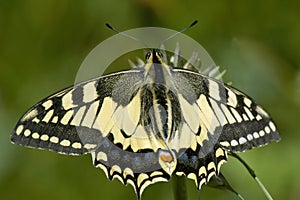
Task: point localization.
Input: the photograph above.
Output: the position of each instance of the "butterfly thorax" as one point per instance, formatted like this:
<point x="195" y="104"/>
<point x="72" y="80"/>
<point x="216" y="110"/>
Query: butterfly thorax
<point x="160" y="108"/>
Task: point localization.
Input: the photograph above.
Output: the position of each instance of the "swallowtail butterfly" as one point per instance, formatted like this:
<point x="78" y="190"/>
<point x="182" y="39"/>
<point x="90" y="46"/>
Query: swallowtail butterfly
<point x="148" y="123"/>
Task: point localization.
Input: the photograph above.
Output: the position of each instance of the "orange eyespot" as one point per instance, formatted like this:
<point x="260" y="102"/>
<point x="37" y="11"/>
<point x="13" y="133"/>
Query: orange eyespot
<point x="165" y="156"/>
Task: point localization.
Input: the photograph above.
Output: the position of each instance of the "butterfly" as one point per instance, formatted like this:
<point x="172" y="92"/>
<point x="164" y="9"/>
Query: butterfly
<point x="149" y="123"/>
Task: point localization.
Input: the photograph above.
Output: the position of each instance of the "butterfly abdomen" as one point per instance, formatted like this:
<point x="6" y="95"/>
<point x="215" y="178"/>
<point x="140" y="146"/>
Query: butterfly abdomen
<point x="160" y="110"/>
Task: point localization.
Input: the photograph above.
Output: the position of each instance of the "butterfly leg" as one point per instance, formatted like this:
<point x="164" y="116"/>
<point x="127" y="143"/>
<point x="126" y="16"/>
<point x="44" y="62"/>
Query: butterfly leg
<point x="220" y="182"/>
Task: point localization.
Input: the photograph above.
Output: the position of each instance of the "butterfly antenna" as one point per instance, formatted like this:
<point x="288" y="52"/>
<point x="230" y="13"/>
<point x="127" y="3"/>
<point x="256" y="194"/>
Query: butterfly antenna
<point x="124" y="34"/>
<point x="252" y="173"/>
<point x="181" y="31"/>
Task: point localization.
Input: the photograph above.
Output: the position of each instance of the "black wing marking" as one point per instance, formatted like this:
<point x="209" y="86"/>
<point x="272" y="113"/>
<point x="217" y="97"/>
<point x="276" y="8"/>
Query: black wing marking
<point x="89" y="117"/>
<point x="139" y="169"/>
<point x="239" y="122"/>
<point x="52" y="123"/>
<point x="225" y="119"/>
<point x="198" y="168"/>
<point x="75" y="120"/>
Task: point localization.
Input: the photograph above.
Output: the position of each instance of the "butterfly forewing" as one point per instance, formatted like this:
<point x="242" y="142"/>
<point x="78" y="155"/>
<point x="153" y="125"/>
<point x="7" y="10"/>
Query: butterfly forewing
<point x="54" y="123"/>
<point x="235" y="120"/>
<point x="47" y="126"/>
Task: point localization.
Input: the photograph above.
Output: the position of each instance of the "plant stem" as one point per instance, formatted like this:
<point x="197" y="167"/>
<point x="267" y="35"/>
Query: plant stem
<point x="179" y="188"/>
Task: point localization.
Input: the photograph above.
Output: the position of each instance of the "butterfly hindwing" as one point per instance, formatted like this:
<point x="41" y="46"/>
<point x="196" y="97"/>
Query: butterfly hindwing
<point x="138" y="169"/>
<point x="200" y="169"/>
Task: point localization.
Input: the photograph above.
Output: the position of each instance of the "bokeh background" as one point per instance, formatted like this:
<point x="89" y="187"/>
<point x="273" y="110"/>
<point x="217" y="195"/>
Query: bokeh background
<point x="42" y="44"/>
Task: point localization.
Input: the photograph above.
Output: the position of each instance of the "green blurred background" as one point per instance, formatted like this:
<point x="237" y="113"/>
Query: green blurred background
<point x="42" y="44"/>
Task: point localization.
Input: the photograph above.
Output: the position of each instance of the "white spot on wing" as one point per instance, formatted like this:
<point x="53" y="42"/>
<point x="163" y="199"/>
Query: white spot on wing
<point x="236" y="115"/>
<point x="210" y="166"/>
<point x="48" y="116"/>
<point x="27" y="132"/>
<point x="35" y="135"/>
<point x="30" y="115"/>
<point x="101" y="156"/>
<point x="78" y="116"/>
<point x="245" y="117"/>
<point x="54" y="139"/>
<point x="76" y="145"/>
<point x="90" y="115"/>
<point x="272" y="126"/>
<point x="258" y="117"/>
<point x="203" y="171"/>
<point x="249" y="137"/>
<point x="141" y="178"/>
<point x="65" y="143"/>
<point x="214" y="90"/>
<point x="242" y="140"/>
<point x="36" y="120"/>
<point x="89" y="92"/>
<point x="180" y="173"/>
<point x="225" y="144"/>
<point x="118" y="177"/>
<point x="219" y="152"/>
<point x="250" y="115"/>
<point x="203" y="180"/>
<point x="220" y="164"/>
<point x="19" y="129"/>
<point x="232" y="100"/>
<point x="247" y="102"/>
<point x="128" y="172"/>
<point x="44" y="137"/>
<point x="66" y="118"/>
<point x="261" y="133"/>
<point x="47" y="104"/>
<point x="193" y="177"/>
<point x="228" y="115"/>
<point x="255" y="135"/>
<point x="67" y="101"/>
<point x="234" y="143"/>
<point x="115" y="168"/>
<point x="55" y="119"/>
<point x="103" y="168"/>
<point x="267" y="130"/>
<point x="260" y="111"/>
<point x="90" y="146"/>
<point x="156" y="173"/>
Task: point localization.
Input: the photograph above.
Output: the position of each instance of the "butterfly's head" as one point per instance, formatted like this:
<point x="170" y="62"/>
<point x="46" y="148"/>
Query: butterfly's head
<point x="154" y="56"/>
<point x="156" y="70"/>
